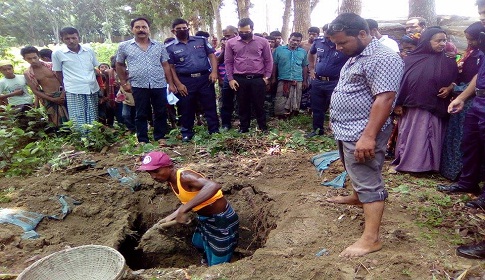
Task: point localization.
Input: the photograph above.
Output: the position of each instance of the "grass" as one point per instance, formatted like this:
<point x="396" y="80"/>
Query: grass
<point x="5" y="195"/>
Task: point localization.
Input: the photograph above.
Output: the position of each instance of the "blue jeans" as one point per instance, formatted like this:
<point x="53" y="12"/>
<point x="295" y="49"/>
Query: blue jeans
<point x="129" y="113"/>
<point x="146" y="99"/>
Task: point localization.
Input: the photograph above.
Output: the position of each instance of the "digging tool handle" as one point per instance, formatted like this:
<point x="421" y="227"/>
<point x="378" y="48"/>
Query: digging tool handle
<point x="167" y="224"/>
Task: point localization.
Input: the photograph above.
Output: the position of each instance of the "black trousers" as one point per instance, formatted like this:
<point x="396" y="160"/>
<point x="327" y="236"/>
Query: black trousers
<point x="251" y="93"/>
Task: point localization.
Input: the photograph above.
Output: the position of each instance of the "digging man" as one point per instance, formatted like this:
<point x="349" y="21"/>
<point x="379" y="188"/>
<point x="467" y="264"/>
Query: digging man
<point x="217" y="230"/>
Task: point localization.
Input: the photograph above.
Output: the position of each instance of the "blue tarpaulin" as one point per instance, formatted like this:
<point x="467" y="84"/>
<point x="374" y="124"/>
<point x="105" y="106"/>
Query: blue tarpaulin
<point x="28" y="221"/>
<point x="338" y="182"/>
<point x="323" y="161"/>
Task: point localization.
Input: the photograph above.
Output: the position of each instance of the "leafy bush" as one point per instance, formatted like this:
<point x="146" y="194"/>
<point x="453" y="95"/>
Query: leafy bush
<point x="91" y="137"/>
<point x="104" y="51"/>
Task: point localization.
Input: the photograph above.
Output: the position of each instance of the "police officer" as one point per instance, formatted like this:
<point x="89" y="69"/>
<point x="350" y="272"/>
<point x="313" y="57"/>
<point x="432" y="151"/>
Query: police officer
<point x="194" y="78"/>
<point x="325" y="63"/>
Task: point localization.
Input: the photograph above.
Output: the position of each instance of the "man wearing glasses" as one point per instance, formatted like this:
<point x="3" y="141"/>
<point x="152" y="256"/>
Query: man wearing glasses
<point x="248" y="68"/>
<point x="360" y="107"/>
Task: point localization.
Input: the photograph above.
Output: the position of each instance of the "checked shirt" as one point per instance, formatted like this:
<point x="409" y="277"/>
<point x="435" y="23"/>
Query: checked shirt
<point x="376" y="70"/>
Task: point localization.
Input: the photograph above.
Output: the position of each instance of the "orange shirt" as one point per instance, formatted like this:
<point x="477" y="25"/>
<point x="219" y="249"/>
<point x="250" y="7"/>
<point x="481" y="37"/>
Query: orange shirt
<point x="186" y="196"/>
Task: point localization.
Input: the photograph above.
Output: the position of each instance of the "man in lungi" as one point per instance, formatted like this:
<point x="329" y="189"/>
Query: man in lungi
<point x="43" y="82"/>
<point x="217" y="230"/>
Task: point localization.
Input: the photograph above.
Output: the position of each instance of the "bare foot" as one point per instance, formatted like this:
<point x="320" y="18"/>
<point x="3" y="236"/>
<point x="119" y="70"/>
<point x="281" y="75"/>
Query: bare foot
<point x="361" y="247"/>
<point x="350" y="199"/>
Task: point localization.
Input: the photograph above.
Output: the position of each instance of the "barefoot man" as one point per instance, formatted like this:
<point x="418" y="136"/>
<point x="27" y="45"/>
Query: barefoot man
<point x="360" y="107"/>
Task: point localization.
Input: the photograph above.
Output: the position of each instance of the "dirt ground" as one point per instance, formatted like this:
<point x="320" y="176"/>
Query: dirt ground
<point x="285" y="222"/>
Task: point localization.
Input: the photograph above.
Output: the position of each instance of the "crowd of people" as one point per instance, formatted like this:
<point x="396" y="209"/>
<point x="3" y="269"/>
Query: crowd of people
<point x="411" y="101"/>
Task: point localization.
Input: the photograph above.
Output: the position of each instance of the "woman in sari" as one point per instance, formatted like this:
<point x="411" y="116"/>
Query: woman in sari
<point x="468" y="67"/>
<point x="423" y="100"/>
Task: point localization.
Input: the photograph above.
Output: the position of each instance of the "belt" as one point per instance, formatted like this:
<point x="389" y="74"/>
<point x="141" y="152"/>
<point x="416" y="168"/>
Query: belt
<point x="324" y="78"/>
<point x="480" y="92"/>
<point x="249" y="76"/>
<point x="194" y="75"/>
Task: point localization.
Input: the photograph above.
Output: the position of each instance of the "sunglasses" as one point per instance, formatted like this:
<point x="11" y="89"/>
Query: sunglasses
<point x="338" y="27"/>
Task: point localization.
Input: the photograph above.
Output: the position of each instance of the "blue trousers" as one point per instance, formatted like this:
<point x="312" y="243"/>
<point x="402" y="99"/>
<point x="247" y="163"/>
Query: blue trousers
<point x="156" y="100"/>
<point x="320" y="94"/>
<point x="473" y="145"/>
<point x="200" y="90"/>
<point x="129" y="113"/>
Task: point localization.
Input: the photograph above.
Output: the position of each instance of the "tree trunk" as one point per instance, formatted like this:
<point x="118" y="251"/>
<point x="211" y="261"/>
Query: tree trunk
<point x="302" y="12"/>
<point x="243" y="8"/>
<point x="351" y="6"/>
<point x="285" y="29"/>
<point x="425" y="9"/>
<point x="216" y="5"/>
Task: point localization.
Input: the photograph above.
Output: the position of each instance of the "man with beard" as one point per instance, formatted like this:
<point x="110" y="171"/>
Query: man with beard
<point x="472" y="146"/>
<point x="194" y="69"/>
<point x="147" y="79"/>
<point x="74" y="66"/>
<point x="291" y="72"/>
<point x="44" y="84"/>
<point x="324" y="63"/>
<point x="249" y="65"/>
<point x="360" y="107"/>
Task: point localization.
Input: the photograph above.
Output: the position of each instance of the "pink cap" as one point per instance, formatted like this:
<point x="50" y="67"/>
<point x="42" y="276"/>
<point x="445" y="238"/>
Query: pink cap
<point x="155" y="160"/>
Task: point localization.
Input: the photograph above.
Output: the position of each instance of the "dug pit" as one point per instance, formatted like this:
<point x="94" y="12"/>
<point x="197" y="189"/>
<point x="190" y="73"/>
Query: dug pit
<point x="173" y="247"/>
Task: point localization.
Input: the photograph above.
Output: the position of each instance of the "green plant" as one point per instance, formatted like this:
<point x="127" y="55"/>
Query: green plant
<point x="403" y="189"/>
<point x="5" y="195"/>
<point x="406" y="272"/>
<point x="104" y="51"/>
<point x="91" y="137"/>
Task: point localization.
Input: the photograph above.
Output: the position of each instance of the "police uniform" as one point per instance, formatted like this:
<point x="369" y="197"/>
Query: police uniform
<point x="192" y="66"/>
<point x="327" y="71"/>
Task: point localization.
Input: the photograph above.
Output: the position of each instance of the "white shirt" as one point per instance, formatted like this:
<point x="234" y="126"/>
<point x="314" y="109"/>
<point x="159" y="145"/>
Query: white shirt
<point x="390" y="43"/>
<point x="77" y="69"/>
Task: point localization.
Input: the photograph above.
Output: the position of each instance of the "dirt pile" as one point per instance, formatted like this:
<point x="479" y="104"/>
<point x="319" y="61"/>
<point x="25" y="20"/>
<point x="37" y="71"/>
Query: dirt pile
<point x="285" y="222"/>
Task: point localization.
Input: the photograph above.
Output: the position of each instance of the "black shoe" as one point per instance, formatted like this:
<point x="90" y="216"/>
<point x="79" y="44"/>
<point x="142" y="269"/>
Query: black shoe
<point x="475" y="251"/>
<point x="455" y="188"/>
<point x="313" y="134"/>
<point x="186" y="139"/>
<point x="478" y="203"/>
